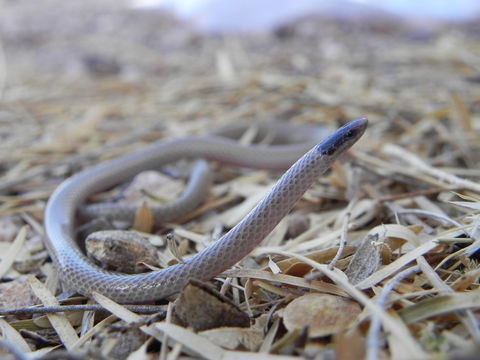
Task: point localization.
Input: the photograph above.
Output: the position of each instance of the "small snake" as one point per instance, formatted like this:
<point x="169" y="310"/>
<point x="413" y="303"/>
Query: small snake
<point x="78" y="273"/>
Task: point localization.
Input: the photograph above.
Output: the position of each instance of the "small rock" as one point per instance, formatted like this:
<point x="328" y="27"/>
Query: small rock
<point x="125" y="251"/>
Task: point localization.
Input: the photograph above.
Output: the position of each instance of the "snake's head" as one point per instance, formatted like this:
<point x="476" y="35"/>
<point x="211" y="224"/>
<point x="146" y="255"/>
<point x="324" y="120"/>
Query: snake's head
<point x="342" y="139"/>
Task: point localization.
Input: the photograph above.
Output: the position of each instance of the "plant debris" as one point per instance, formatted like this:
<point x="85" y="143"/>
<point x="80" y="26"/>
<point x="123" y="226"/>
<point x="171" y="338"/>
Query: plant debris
<point x="378" y="259"/>
<point x="125" y="251"/>
<point x="202" y="308"/>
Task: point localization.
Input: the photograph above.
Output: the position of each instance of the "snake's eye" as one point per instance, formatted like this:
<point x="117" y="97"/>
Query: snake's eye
<point x="329" y="150"/>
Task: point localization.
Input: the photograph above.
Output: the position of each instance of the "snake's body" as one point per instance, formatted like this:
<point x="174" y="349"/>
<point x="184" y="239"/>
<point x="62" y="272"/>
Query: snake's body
<point x="78" y="273"/>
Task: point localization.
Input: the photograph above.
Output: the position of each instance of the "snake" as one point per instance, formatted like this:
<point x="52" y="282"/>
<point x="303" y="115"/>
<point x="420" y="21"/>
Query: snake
<point x="78" y="273"/>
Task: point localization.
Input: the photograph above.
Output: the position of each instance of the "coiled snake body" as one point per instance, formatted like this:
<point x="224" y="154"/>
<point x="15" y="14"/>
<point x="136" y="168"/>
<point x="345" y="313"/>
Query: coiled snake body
<point x="78" y="273"/>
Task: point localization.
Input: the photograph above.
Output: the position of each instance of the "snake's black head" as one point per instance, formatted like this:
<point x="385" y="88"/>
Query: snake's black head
<point x="343" y="138"/>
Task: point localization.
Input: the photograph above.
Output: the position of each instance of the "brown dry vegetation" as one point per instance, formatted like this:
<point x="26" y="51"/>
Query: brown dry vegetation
<point x="405" y="203"/>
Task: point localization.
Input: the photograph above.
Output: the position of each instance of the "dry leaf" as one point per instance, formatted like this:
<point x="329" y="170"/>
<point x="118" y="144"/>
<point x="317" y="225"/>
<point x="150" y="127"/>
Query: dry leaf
<point x="16" y="294"/>
<point x="442" y="304"/>
<point x="235" y="338"/>
<point x="349" y="345"/>
<point x="202" y="308"/>
<point x="59" y="322"/>
<point x="295" y="267"/>
<point x="13" y="336"/>
<point x="10" y="226"/>
<point x="366" y="259"/>
<point x="144" y="219"/>
<point x="157" y="185"/>
<point x="321" y="314"/>
<point x="117" y="342"/>
<point x="13" y="250"/>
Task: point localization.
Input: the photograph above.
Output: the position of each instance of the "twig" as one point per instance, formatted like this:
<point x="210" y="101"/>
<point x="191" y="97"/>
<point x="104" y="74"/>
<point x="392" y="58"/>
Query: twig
<point x="344" y="235"/>
<point x="373" y="336"/>
<point x="421" y="166"/>
<point x="142" y="309"/>
<point x="413" y="194"/>
<point x="62" y="355"/>
<point x="466" y="316"/>
<point x="430" y="214"/>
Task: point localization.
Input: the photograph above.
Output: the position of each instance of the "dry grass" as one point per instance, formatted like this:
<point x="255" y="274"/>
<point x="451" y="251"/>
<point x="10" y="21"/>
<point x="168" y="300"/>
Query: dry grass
<point x="404" y="205"/>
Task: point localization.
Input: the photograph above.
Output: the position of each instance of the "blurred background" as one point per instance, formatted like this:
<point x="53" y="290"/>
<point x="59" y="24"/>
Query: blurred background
<point x="111" y="68"/>
<point x="251" y="15"/>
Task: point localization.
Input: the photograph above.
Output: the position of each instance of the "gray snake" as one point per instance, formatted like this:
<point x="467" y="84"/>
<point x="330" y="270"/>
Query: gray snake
<point x="78" y="273"/>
